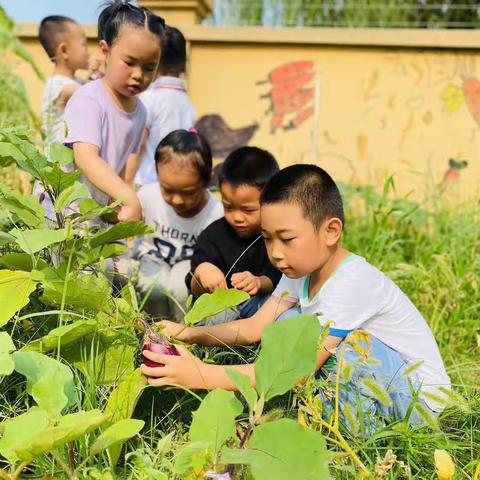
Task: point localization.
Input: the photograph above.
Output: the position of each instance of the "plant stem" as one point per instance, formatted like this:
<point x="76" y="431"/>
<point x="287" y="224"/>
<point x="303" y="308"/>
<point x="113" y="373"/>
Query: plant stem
<point x="18" y="471"/>
<point x="65" y="467"/>
<point x="4" y="474"/>
<point x="71" y="455"/>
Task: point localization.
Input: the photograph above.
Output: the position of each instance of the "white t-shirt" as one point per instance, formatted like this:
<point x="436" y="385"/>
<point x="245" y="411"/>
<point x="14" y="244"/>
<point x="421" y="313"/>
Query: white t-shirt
<point x="174" y="236"/>
<point x="54" y="127"/>
<point x="52" y="114"/>
<point x="168" y="109"/>
<point x="359" y="296"/>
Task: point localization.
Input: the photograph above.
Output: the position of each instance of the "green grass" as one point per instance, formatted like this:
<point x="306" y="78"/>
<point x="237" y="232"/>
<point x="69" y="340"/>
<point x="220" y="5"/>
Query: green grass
<point x="432" y="252"/>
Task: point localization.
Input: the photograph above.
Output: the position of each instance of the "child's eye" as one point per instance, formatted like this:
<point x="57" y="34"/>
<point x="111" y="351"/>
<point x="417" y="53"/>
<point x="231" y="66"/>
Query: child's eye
<point x="287" y="240"/>
<point x="130" y="64"/>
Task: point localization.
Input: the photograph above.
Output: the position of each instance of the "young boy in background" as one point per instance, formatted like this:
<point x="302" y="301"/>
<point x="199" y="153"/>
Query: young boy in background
<point x="65" y="43"/>
<point x="302" y="225"/>
<point x="230" y="252"/>
<point x="167" y="103"/>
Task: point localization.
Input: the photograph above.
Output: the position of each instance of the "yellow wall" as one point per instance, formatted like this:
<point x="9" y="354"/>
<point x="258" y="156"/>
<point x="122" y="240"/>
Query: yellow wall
<point x="387" y="101"/>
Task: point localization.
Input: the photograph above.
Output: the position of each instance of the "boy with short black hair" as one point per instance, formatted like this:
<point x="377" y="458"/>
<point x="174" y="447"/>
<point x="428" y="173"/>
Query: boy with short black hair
<point x="65" y="43"/>
<point x="230" y="252"/>
<point x="167" y="103"/>
<point x="302" y="224"/>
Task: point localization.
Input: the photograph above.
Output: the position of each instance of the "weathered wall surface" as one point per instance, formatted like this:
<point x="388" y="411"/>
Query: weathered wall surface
<point x="362" y="104"/>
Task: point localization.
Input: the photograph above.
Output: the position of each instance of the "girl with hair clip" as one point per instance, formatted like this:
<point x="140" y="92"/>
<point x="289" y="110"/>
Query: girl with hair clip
<point x="179" y="207"/>
<point x="104" y="118"/>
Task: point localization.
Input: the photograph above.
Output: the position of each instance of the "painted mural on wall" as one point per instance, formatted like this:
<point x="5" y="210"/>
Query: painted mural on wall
<point x="412" y="114"/>
<point x="290" y="97"/>
<point x="222" y="138"/>
<point x="290" y="105"/>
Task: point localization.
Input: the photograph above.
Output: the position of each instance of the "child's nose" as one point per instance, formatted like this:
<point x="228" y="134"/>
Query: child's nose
<point x="238" y="217"/>
<point x="137" y="73"/>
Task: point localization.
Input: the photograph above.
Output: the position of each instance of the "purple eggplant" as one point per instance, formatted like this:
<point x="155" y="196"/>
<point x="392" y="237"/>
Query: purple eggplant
<point x="155" y="342"/>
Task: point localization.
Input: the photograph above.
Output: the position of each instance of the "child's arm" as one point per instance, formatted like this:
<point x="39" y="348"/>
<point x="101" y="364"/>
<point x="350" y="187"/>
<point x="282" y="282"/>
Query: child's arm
<point x="207" y="278"/>
<point x="133" y="162"/>
<point x="251" y="284"/>
<point x="246" y="331"/>
<point x="189" y="371"/>
<point x="65" y="94"/>
<point x="103" y="177"/>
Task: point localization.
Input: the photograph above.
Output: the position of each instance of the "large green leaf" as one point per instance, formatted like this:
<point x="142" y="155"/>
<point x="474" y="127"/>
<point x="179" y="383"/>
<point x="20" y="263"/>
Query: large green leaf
<point x="49" y="381"/>
<point x="60" y="154"/>
<point x="283" y="450"/>
<point x="6" y="347"/>
<point x="69" y="427"/>
<point x="214" y="421"/>
<point x="32" y="241"/>
<point x="288" y="353"/>
<point x="75" y="192"/>
<point x="195" y="455"/>
<point x="57" y="179"/>
<point x="5" y="238"/>
<point x="83" y="292"/>
<point x="19" y="432"/>
<point x="210" y="304"/>
<point x="65" y="336"/>
<point x="9" y="153"/>
<point x="242" y="382"/>
<point x="120" y="231"/>
<point x="22" y="261"/>
<point x="15" y="290"/>
<point x="33" y="433"/>
<point x="26" y="207"/>
<point x="31" y="161"/>
<point x="93" y="255"/>
<point x="107" y="356"/>
<point x="117" y="433"/>
<point x="122" y="401"/>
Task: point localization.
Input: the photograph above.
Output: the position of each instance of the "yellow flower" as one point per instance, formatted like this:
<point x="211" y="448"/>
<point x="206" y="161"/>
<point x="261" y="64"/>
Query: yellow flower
<point x="444" y="465"/>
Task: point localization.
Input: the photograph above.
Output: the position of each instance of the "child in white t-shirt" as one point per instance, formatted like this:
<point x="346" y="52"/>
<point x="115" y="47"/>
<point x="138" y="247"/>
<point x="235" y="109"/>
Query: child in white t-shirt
<point x="166" y="101"/>
<point x="302" y="224"/>
<point x="65" y="43"/>
<point x="179" y="207"/>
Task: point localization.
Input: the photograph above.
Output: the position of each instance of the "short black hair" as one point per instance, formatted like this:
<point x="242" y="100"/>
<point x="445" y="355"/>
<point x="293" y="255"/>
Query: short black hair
<point x="308" y="186"/>
<point x="50" y="28"/>
<point x="119" y="12"/>
<point x="174" y="51"/>
<point x="248" y="166"/>
<point x="190" y="145"/>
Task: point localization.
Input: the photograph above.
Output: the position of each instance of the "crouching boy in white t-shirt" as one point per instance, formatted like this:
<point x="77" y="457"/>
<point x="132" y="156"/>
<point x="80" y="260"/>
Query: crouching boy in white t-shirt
<point x="302" y="223"/>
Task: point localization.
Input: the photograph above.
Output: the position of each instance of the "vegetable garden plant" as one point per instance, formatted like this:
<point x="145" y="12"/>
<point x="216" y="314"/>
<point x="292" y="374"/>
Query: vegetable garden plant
<point x="73" y="403"/>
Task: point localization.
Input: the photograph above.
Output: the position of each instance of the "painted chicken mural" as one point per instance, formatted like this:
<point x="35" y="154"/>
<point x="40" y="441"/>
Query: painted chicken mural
<point x="291" y="99"/>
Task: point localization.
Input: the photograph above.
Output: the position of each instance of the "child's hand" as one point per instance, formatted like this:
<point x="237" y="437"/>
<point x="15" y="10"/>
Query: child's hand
<point x="247" y="282"/>
<point x="130" y="211"/>
<point x="96" y="68"/>
<point x="172" y="329"/>
<point x="185" y="369"/>
<point x="210" y="277"/>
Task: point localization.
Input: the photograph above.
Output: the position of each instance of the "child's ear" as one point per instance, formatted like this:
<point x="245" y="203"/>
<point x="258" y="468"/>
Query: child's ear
<point x="62" y="50"/>
<point x="104" y="48"/>
<point x="333" y="229"/>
